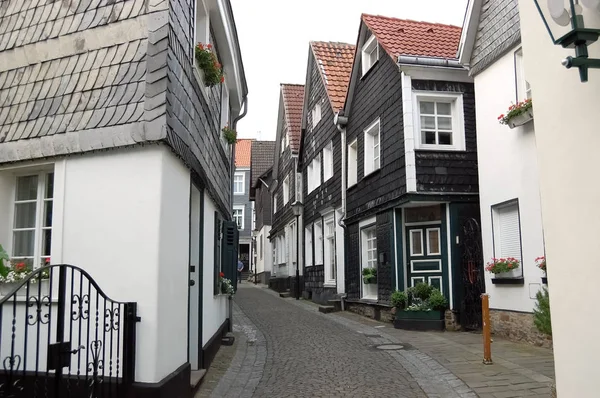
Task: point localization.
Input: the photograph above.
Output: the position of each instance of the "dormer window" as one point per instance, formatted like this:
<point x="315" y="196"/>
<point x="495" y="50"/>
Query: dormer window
<point x="370" y="54"/>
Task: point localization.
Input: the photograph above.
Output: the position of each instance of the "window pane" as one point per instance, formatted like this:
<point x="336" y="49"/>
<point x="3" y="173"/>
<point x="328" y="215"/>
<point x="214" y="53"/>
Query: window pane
<point x="444" y="123"/>
<point x="416" y="243"/>
<point x="46" y="240"/>
<point x="427" y="107"/>
<point x="422" y="214"/>
<point x="433" y="236"/>
<point x="27" y="188"/>
<point x="445" y="138"/>
<point x="23" y="242"/>
<point x="436" y="282"/>
<point x="25" y="215"/>
<point x="443" y="108"/>
<point x="428" y="137"/>
<point x="428" y="122"/>
<point x="49" y="186"/>
<point x="48" y="213"/>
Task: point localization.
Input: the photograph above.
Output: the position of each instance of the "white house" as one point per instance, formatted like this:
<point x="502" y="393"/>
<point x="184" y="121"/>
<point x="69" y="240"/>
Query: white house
<point x="511" y="218"/>
<point x="109" y="161"/>
<point x="566" y="115"/>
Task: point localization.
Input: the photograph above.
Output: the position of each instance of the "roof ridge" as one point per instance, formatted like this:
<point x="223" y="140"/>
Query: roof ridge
<point x="291" y="84"/>
<point x="331" y="42"/>
<point x="410" y="20"/>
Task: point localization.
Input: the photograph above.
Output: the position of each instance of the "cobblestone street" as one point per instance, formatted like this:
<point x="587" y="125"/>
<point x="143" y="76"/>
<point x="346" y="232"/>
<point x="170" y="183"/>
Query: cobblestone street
<point x="286" y="348"/>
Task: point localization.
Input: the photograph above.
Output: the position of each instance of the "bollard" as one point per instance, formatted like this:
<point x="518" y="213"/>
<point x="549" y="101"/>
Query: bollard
<point x="487" y="334"/>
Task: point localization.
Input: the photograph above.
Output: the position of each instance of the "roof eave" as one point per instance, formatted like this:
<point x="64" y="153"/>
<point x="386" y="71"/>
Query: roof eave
<point x="469" y="32"/>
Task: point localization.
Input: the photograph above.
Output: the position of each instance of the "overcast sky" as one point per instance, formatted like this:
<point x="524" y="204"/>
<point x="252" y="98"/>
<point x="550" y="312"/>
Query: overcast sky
<point x="274" y="36"/>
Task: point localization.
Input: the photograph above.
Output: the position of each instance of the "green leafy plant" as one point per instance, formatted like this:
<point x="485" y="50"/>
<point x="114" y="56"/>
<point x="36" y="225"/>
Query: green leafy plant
<point x="421" y="291"/>
<point x="498" y="265"/>
<point x="399" y="299"/>
<point x="208" y="62"/>
<point x="541" y="312"/>
<point x="369" y="275"/>
<point x="437" y="301"/>
<point x="229" y="134"/>
<point x="3" y="257"/>
<point x="515" y="110"/>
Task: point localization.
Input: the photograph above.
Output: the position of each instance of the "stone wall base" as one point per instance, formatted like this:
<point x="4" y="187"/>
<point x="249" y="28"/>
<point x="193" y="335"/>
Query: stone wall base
<point x="379" y="312"/>
<point x="451" y="321"/>
<point x="517" y="326"/>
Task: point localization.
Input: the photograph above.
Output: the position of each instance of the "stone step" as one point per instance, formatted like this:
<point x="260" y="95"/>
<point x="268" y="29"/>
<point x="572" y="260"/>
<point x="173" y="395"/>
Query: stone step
<point x="196" y="377"/>
<point x="229" y="339"/>
<point x="336" y="303"/>
<point x="326" y="309"/>
<point x="285" y="294"/>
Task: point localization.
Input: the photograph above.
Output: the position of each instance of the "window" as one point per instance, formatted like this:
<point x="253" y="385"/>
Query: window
<point x="275" y="203"/>
<point x="352" y="163"/>
<point x="330" y="265"/>
<point x="260" y="246"/>
<point x="308" y="246"/>
<point x="416" y="242"/>
<point x="202" y="32"/>
<point x="286" y="190"/>
<point x="369" y="259"/>
<point x="238" y="216"/>
<point x="506" y="230"/>
<point x="440" y="121"/>
<point x="316" y="114"/>
<point x="282" y="146"/>
<point x="314" y="174"/>
<point x="32" y="225"/>
<point x="299" y="187"/>
<point x="293" y="242"/>
<point x="318" y="242"/>
<point x="433" y="242"/>
<point x="281" y="249"/>
<point x="217" y="254"/>
<point x="523" y="87"/>
<point x="328" y="161"/>
<point x="372" y="148"/>
<point x="224" y="105"/>
<point x="238" y="183"/>
<point x="370" y="54"/>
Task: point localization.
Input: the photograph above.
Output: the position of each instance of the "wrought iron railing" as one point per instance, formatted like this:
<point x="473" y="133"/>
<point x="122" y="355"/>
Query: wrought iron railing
<point x="62" y="336"/>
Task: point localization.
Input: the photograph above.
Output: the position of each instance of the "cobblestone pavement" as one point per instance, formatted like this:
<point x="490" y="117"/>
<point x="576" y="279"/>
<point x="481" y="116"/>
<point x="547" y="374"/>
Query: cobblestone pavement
<point x="293" y="350"/>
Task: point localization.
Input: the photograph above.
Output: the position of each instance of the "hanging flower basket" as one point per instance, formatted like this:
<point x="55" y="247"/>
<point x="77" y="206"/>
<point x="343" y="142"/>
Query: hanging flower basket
<point x="208" y="63"/>
<point x="518" y="115"/>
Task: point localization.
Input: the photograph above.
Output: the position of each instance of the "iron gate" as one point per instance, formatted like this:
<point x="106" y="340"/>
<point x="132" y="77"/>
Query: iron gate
<point x="61" y="336"/>
<point x="472" y="275"/>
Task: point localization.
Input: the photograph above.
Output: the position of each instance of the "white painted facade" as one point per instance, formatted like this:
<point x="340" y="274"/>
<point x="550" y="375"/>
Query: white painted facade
<point x="264" y="256"/>
<point x="566" y="115"/>
<point x="508" y="170"/>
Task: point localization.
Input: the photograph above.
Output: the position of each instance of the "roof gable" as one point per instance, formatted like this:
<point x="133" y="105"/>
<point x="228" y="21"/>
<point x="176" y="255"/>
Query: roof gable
<point x="261" y="159"/>
<point x="335" y="65"/>
<point x="243" y="152"/>
<point x="293" y="100"/>
<point x="407" y="37"/>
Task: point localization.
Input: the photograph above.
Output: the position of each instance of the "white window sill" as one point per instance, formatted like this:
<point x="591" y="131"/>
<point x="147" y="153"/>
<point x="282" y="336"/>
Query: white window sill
<point x="371" y="172"/>
<point x="330" y="284"/>
<point x="369" y="298"/>
<point x="351" y="186"/>
<point x="448" y="148"/>
<point x="366" y="72"/>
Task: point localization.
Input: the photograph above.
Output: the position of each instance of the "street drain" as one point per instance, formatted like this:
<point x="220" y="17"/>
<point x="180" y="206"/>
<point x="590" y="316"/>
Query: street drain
<point x="390" y="347"/>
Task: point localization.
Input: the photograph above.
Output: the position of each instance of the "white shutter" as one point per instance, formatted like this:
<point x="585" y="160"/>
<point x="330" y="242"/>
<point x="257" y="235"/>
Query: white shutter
<point x="509" y="232"/>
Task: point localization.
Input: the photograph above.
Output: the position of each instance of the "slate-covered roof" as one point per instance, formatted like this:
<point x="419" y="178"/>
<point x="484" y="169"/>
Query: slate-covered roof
<point x="406" y="37"/>
<point x="335" y="64"/>
<point x="243" y="152"/>
<point x="293" y="101"/>
<point x="262" y="156"/>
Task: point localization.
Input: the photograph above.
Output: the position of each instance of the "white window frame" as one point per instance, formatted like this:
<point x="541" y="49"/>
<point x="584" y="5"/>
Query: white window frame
<point x="37" y="257"/>
<point x="353" y="163"/>
<point x="372" y="152"/>
<point x="235" y="182"/>
<point x="458" y="119"/>
<point x="274" y="203"/>
<point x="242" y="210"/>
<point x="286" y="190"/>
<point x="318" y="228"/>
<point x="298" y="187"/>
<point x="523" y="89"/>
<point x="411" y="233"/>
<point x="260" y="246"/>
<point x="439" y="248"/>
<point x="329" y="251"/>
<point x="328" y="161"/>
<point x="367" y="49"/>
<point x="365" y="237"/>
<point x="499" y="251"/>
<point x="316" y="114"/>
<point x="314" y="173"/>
<point x="308" y="246"/>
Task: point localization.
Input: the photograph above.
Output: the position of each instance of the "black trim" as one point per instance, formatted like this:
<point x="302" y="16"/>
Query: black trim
<point x="544" y="280"/>
<point x="176" y="384"/>
<point x="211" y="348"/>
<point x="419" y="324"/>
<point x="508" y="281"/>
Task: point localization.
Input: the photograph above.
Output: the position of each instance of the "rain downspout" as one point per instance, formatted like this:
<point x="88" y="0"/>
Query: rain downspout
<point x="341" y="122"/>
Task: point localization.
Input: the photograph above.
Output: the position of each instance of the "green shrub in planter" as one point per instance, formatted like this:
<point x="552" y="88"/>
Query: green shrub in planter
<point x="399" y="299"/>
<point x="437" y="301"/>
<point x="369" y="275"/>
<point x="541" y="312"/>
<point x="421" y="290"/>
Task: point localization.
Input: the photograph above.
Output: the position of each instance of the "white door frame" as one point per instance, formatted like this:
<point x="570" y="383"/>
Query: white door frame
<point x="195" y="278"/>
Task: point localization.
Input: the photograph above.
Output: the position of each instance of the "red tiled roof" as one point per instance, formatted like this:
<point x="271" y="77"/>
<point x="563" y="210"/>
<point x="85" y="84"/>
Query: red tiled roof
<point x="243" y="152"/>
<point x="335" y="63"/>
<point x="293" y="101"/>
<point x="406" y="37"/>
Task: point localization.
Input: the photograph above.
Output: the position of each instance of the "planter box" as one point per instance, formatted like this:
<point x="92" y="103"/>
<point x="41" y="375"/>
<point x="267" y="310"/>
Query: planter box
<point x="514" y="273"/>
<point x="419" y="320"/>
<point x="544" y="280"/>
<point x="7" y="288"/>
<point x="521" y="119"/>
<point x="370" y="290"/>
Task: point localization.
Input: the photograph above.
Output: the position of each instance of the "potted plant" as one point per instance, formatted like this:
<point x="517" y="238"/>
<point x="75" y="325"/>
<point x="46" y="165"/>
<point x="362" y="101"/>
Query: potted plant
<point x="503" y="267"/>
<point x="17" y="271"/>
<point x="540" y="262"/>
<point x="369" y="276"/>
<point x="209" y="65"/>
<point x="421" y="307"/>
<point x="518" y="114"/>
<point x="229" y="134"/>
<point x="226" y="286"/>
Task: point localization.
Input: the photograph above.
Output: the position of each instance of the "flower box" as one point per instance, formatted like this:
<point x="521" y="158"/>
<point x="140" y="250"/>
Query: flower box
<point x="7" y="288"/>
<point x="521" y="119"/>
<point x="518" y="114"/>
<point x="419" y="320"/>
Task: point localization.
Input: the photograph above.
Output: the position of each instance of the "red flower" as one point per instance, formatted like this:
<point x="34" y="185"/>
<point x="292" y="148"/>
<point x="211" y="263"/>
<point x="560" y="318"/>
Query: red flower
<point x="47" y="261"/>
<point x="222" y="79"/>
<point x="20" y="266"/>
<point x="209" y="46"/>
<point x="501" y="116"/>
<point x="222" y="275"/>
<point x="200" y="46"/>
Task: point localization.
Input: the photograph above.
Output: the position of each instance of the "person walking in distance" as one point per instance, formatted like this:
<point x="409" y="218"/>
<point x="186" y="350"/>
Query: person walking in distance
<point x="240" y="267"/>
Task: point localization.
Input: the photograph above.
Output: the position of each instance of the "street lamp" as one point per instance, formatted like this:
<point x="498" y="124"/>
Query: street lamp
<point x="566" y="27"/>
<point x="297" y="207"/>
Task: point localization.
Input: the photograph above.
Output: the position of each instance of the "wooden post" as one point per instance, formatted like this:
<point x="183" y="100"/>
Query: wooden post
<point x="487" y="335"/>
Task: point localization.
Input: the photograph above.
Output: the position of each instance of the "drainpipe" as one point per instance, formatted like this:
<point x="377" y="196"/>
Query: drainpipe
<point x="429" y="61"/>
<point x="341" y="122"/>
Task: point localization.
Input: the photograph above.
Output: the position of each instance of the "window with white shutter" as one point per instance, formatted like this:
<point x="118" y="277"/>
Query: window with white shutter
<point x="507" y="231"/>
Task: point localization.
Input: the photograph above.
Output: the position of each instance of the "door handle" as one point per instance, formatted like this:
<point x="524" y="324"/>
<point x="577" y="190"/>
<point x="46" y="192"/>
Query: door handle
<point x="192" y="282"/>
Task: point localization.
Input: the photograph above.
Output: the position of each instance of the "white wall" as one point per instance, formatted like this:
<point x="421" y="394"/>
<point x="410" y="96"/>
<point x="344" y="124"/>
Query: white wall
<point x="266" y="263"/>
<point x="508" y="170"/>
<point x="214" y="307"/>
<point x="566" y="117"/>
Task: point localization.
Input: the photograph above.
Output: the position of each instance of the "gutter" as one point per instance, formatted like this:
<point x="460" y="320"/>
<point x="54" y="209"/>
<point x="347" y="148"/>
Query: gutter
<point x="340" y="123"/>
<point x="429" y="61"/>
